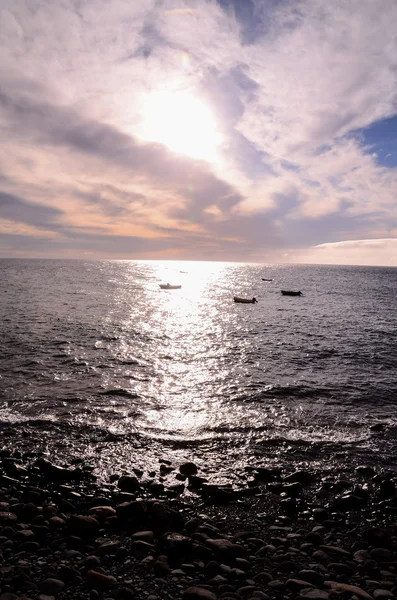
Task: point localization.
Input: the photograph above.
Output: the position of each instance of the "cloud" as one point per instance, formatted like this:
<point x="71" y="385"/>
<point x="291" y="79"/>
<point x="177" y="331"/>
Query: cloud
<point x="291" y="85"/>
<point x="352" y="252"/>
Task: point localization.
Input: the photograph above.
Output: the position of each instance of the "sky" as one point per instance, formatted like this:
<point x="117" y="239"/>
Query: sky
<point x="229" y="130"/>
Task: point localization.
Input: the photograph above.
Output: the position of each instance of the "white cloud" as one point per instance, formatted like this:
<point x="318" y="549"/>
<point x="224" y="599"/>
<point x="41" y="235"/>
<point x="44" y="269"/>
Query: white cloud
<point x="287" y="100"/>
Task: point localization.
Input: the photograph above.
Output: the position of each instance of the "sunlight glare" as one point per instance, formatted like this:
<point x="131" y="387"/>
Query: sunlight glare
<point x="183" y="123"/>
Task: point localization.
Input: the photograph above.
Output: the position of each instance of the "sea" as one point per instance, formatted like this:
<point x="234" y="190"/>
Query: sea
<point x="97" y="361"/>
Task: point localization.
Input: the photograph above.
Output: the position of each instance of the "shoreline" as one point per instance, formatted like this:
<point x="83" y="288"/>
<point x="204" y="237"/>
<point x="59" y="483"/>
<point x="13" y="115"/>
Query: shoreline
<point x="169" y="534"/>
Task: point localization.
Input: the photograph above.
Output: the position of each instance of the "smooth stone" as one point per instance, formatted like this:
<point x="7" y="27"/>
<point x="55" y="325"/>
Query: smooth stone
<point x="381" y="555"/>
<point x="311" y="576"/>
<point x="354" y="590"/>
<point x="314" y="594"/>
<point x="297" y="584"/>
<point x="197" y="593"/>
<point x="380" y="594"/>
<point x="51" y="586"/>
<point x="98" y="580"/>
<point x="145" y="536"/>
<point x="102" y="512"/>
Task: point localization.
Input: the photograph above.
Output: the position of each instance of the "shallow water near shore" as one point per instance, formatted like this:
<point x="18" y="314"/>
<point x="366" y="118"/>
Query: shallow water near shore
<point x="98" y="361"/>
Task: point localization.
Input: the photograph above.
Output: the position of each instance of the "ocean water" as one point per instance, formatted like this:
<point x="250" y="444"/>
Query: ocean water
<point x="96" y="359"/>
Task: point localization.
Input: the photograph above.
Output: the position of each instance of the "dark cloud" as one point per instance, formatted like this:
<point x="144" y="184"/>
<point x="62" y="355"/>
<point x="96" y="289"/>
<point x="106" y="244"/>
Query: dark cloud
<point x="21" y="211"/>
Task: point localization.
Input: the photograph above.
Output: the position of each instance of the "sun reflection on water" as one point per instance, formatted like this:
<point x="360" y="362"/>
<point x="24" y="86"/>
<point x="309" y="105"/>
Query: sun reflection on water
<point x="185" y="317"/>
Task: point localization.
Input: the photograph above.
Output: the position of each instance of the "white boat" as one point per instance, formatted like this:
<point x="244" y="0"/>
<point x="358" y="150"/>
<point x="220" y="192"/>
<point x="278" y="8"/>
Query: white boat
<point x="168" y="286"/>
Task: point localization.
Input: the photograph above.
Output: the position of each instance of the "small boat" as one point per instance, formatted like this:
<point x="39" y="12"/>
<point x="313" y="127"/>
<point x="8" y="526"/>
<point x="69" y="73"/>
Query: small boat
<point x="168" y="286"/>
<point x="290" y="293"/>
<point x="263" y="279"/>
<point x="245" y="300"/>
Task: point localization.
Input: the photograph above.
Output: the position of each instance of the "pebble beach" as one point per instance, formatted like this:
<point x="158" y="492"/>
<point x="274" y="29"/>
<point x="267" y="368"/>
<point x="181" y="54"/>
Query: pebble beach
<point x="171" y="534"/>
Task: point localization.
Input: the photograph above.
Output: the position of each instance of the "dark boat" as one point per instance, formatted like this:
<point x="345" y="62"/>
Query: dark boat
<point x="263" y="279"/>
<point x="168" y="286"/>
<point x="289" y="293"/>
<point x="245" y="300"/>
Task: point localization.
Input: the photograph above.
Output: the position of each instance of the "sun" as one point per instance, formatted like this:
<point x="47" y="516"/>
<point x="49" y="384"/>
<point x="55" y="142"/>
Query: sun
<point x="183" y="123"/>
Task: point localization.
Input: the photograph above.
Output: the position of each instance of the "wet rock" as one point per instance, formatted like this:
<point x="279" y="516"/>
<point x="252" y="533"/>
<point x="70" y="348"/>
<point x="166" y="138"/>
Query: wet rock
<point x="365" y="470"/>
<point x="188" y="469"/>
<point x="128" y="483"/>
<point x="217" y="494"/>
<point x="54" y="473"/>
<point x="349" y="502"/>
<point x="303" y="477"/>
<point x="387" y="489"/>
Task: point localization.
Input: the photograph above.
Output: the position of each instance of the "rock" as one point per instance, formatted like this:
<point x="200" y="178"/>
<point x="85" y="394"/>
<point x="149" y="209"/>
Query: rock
<point x="174" y="545"/>
<point x="161" y="567"/>
<point x="197" y="593"/>
<point x="365" y="470"/>
<point x="381" y="554"/>
<point x="54" y="473"/>
<point x="298" y="584"/>
<point x="361" y="556"/>
<point x="314" y="594"/>
<point x="140" y="549"/>
<point x="102" y="512"/>
<point x="110" y="547"/>
<point x="126" y="593"/>
<point x="354" y="590"/>
<point x="83" y="526"/>
<point x="349" y="502"/>
<point x="321" y="557"/>
<point x="380" y="594"/>
<point x="311" y="576"/>
<point x="7" y="518"/>
<point x="128" y="483"/>
<point x="56" y="522"/>
<point x="99" y="581"/>
<point x="145" y="536"/>
<point x="246" y="591"/>
<point x="225" y="549"/>
<point x="52" y="587"/>
<point x="375" y="536"/>
<point x="188" y="469"/>
<point x="263" y="577"/>
<point x="335" y="550"/>
<point x="303" y="477"/>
